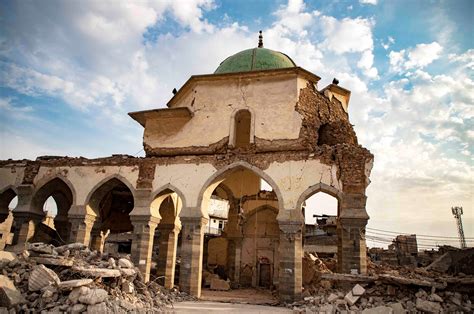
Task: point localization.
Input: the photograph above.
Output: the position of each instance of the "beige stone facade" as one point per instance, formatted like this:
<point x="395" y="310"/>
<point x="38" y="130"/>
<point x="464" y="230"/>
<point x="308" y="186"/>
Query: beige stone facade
<point x="220" y="135"/>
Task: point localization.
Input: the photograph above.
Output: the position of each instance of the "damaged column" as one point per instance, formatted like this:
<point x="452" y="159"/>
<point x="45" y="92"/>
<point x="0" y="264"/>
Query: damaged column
<point x="351" y="248"/>
<point x="25" y="218"/>
<point x="142" y="242"/>
<point x="144" y="225"/>
<point x="81" y="225"/>
<point x="291" y="266"/>
<point x="167" y="253"/>
<point x="191" y="254"/>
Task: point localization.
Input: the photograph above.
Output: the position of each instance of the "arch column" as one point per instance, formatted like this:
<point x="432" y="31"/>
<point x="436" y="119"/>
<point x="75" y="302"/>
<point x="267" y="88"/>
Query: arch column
<point x="81" y="225"/>
<point x="190" y="274"/>
<point x="144" y="226"/>
<point x="142" y="242"/>
<point x="25" y="219"/>
<point x="290" y="278"/>
<point x="351" y="248"/>
<point x="166" y="262"/>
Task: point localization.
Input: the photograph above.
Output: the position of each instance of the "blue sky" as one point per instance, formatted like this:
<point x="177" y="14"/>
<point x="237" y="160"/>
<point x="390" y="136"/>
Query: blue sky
<point x="70" y="71"/>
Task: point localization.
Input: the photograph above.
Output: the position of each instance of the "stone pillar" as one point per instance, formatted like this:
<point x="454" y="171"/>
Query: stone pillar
<point x="142" y="242"/>
<point x="351" y="248"/>
<point x="233" y="259"/>
<point x="192" y="238"/>
<point x="167" y="253"/>
<point x="290" y="280"/>
<point x="63" y="227"/>
<point x="25" y="219"/>
<point x="81" y="228"/>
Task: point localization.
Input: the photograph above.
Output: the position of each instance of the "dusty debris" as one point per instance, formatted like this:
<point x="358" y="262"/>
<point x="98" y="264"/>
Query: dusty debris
<point x="89" y="282"/>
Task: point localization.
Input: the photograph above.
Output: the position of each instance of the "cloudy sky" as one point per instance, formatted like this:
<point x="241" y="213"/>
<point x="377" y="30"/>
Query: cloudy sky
<point x="71" y="70"/>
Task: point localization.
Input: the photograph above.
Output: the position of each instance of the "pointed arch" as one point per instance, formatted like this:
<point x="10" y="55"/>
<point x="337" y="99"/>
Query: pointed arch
<point x="7" y="194"/>
<point x="47" y="180"/>
<point x="214" y="180"/>
<point x="320" y="187"/>
<point x="107" y="179"/>
<point x="58" y="187"/>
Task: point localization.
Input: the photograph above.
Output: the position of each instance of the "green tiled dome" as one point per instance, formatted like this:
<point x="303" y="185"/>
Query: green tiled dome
<point x="254" y="60"/>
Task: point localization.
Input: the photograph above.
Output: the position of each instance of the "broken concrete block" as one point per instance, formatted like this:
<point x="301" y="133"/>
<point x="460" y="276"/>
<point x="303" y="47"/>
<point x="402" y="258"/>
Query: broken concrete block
<point x="54" y="261"/>
<point x="350" y="298"/>
<point x="71" y="284"/>
<point x="94" y="296"/>
<point x="219" y="284"/>
<point x="332" y="297"/>
<point x="435" y="298"/>
<point x="9" y="295"/>
<point x="378" y="310"/>
<point x="7" y="256"/>
<point x="327" y="308"/>
<point x="99" y="308"/>
<point x="77" y="293"/>
<point x="397" y="308"/>
<point x="127" y="272"/>
<point x="358" y="290"/>
<point x="41" y="277"/>
<point x="41" y="248"/>
<point x="78" y="308"/>
<point x="428" y="306"/>
<point x="70" y="247"/>
<point x="98" y="272"/>
<point x="125" y="263"/>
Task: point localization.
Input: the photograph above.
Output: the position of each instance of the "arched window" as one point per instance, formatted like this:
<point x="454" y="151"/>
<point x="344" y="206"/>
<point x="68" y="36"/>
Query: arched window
<point x="242" y="125"/>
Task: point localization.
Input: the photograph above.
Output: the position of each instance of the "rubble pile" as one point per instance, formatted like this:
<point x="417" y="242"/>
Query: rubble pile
<point x="387" y="289"/>
<point x="74" y="279"/>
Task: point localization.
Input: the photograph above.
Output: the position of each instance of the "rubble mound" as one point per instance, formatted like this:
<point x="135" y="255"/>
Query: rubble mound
<point x="73" y="279"/>
<point x="387" y="288"/>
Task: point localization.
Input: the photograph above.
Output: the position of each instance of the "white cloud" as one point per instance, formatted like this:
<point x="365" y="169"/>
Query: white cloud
<point x="418" y="57"/>
<point x="373" y="2"/>
<point x="347" y="35"/>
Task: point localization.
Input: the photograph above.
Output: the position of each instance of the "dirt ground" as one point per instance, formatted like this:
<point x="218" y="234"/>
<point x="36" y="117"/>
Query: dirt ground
<point x="220" y="307"/>
<point x="242" y="296"/>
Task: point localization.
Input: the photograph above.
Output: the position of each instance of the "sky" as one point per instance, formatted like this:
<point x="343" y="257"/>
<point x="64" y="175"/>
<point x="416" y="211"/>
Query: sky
<point x="70" y="71"/>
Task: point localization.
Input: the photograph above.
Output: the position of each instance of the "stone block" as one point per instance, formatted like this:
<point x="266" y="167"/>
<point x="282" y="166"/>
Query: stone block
<point x="94" y="296"/>
<point x="41" y="277"/>
<point x="397" y="308"/>
<point x="127" y="287"/>
<point x="428" y="306"/>
<point x="125" y="263"/>
<point x="99" y="308"/>
<point x="7" y="256"/>
<point x="378" y="310"/>
<point x="98" y="272"/>
<point x="332" y="297"/>
<point x="71" y="284"/>
<point x="9" y="295"/>
<point x="219" y="284"/>
<point x="358" y="290"/>
<point x="350" y="298"/>
<point x="78" y="292"/>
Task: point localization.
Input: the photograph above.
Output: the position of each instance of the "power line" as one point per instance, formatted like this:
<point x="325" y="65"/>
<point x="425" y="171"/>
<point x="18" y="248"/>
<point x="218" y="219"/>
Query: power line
<point x="418" y="238"/>
<point x="418" y="235"/>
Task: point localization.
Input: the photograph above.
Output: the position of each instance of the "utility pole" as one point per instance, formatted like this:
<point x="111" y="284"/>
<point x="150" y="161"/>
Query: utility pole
<point x="457" y="212"/>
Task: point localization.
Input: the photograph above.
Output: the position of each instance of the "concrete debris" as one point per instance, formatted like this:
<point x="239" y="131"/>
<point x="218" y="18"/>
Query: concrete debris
<point x="389" y="288"/>
<point x="125" y="263"/>
<point x="98" y="272"/>
<point x="9" y="294"/>
<point x="79" y="282"/>
<point x="7" y="256"/>
<point x="71" y="284"/>
<point x="41" y="277"/>
<point x="428" y="306"/>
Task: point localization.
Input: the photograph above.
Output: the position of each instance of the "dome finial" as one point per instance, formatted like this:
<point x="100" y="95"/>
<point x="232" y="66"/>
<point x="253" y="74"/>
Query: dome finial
<point x="260" y="40"/>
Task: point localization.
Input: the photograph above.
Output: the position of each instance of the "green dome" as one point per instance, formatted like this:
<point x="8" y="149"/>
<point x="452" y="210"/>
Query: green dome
<point x="254" y="60"/>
